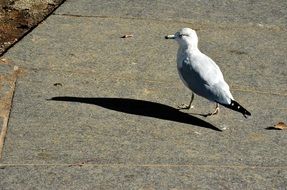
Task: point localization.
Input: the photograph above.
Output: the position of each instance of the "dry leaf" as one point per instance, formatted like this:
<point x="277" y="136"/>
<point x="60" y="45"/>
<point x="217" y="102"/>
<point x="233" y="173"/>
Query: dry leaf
<point x="4" y="61"/>
<point x="127" y="36"/>
<point x="280" y="126"/>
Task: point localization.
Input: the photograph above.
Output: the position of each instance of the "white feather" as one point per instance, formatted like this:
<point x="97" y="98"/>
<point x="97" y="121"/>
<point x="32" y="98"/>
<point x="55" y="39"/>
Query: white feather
<point x="199" y="72"/>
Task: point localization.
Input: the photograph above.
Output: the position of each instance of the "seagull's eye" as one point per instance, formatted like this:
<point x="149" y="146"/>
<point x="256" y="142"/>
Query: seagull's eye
<point x="181" y="35"/>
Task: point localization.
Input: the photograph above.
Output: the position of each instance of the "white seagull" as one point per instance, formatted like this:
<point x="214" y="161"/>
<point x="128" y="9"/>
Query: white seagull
<point x="201" y="74"/>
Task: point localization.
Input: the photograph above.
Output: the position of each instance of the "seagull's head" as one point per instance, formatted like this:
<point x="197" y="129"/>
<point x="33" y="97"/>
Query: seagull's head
<point x="185" y="37"/>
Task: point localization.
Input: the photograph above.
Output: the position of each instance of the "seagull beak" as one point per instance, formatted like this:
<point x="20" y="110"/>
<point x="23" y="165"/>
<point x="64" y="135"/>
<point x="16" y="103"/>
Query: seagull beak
<point x="170" y="37"/>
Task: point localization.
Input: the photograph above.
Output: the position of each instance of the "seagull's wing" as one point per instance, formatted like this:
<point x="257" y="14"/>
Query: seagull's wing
<point x="209" y="79"/>
<point x="207" y="69"/>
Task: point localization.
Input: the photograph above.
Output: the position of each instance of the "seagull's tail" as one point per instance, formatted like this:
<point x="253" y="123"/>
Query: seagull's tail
<point x="237" y="107"/>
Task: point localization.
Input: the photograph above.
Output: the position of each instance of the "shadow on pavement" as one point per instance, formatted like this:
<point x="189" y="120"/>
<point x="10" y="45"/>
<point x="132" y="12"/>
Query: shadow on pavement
<point x="141" y="107"/>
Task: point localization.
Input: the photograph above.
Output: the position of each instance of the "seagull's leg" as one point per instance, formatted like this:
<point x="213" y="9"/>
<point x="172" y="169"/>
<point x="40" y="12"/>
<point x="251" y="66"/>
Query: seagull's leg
<point x="215" y="111"/>
<point x="187" y="106"/>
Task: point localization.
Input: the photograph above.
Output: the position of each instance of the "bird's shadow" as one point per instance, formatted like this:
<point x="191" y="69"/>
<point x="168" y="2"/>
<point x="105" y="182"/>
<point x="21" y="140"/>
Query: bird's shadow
<point x="140" y="107"/>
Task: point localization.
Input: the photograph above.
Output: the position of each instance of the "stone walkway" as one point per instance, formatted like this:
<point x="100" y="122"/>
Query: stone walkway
<point x="92" y="110"/>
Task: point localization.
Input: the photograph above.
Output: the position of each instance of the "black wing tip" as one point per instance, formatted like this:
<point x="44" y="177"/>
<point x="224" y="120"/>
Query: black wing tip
<point x="237" y="107"/>
<point x="247" y="114"/>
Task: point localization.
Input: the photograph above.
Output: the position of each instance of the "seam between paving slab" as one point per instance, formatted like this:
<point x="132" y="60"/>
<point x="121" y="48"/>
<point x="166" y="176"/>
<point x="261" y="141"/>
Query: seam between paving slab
<point x="184" y="21"/>
<point x="92" y="72"/>
<point x="7" y="105"/>
<point x="149" y="165"/>
<point x="238" y="88"/>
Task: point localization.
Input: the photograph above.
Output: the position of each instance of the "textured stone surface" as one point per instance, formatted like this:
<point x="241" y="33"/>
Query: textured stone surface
<point x="260" y="12"/>
<point x="94" y="110"/>
<point x="141" y="177"/>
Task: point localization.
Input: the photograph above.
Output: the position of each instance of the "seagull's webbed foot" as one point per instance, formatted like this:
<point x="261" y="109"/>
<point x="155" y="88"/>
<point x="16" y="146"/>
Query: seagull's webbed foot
<point x="215" y="112"/>
<point x="187" y="106"/>
<point x="184" y="107"/>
